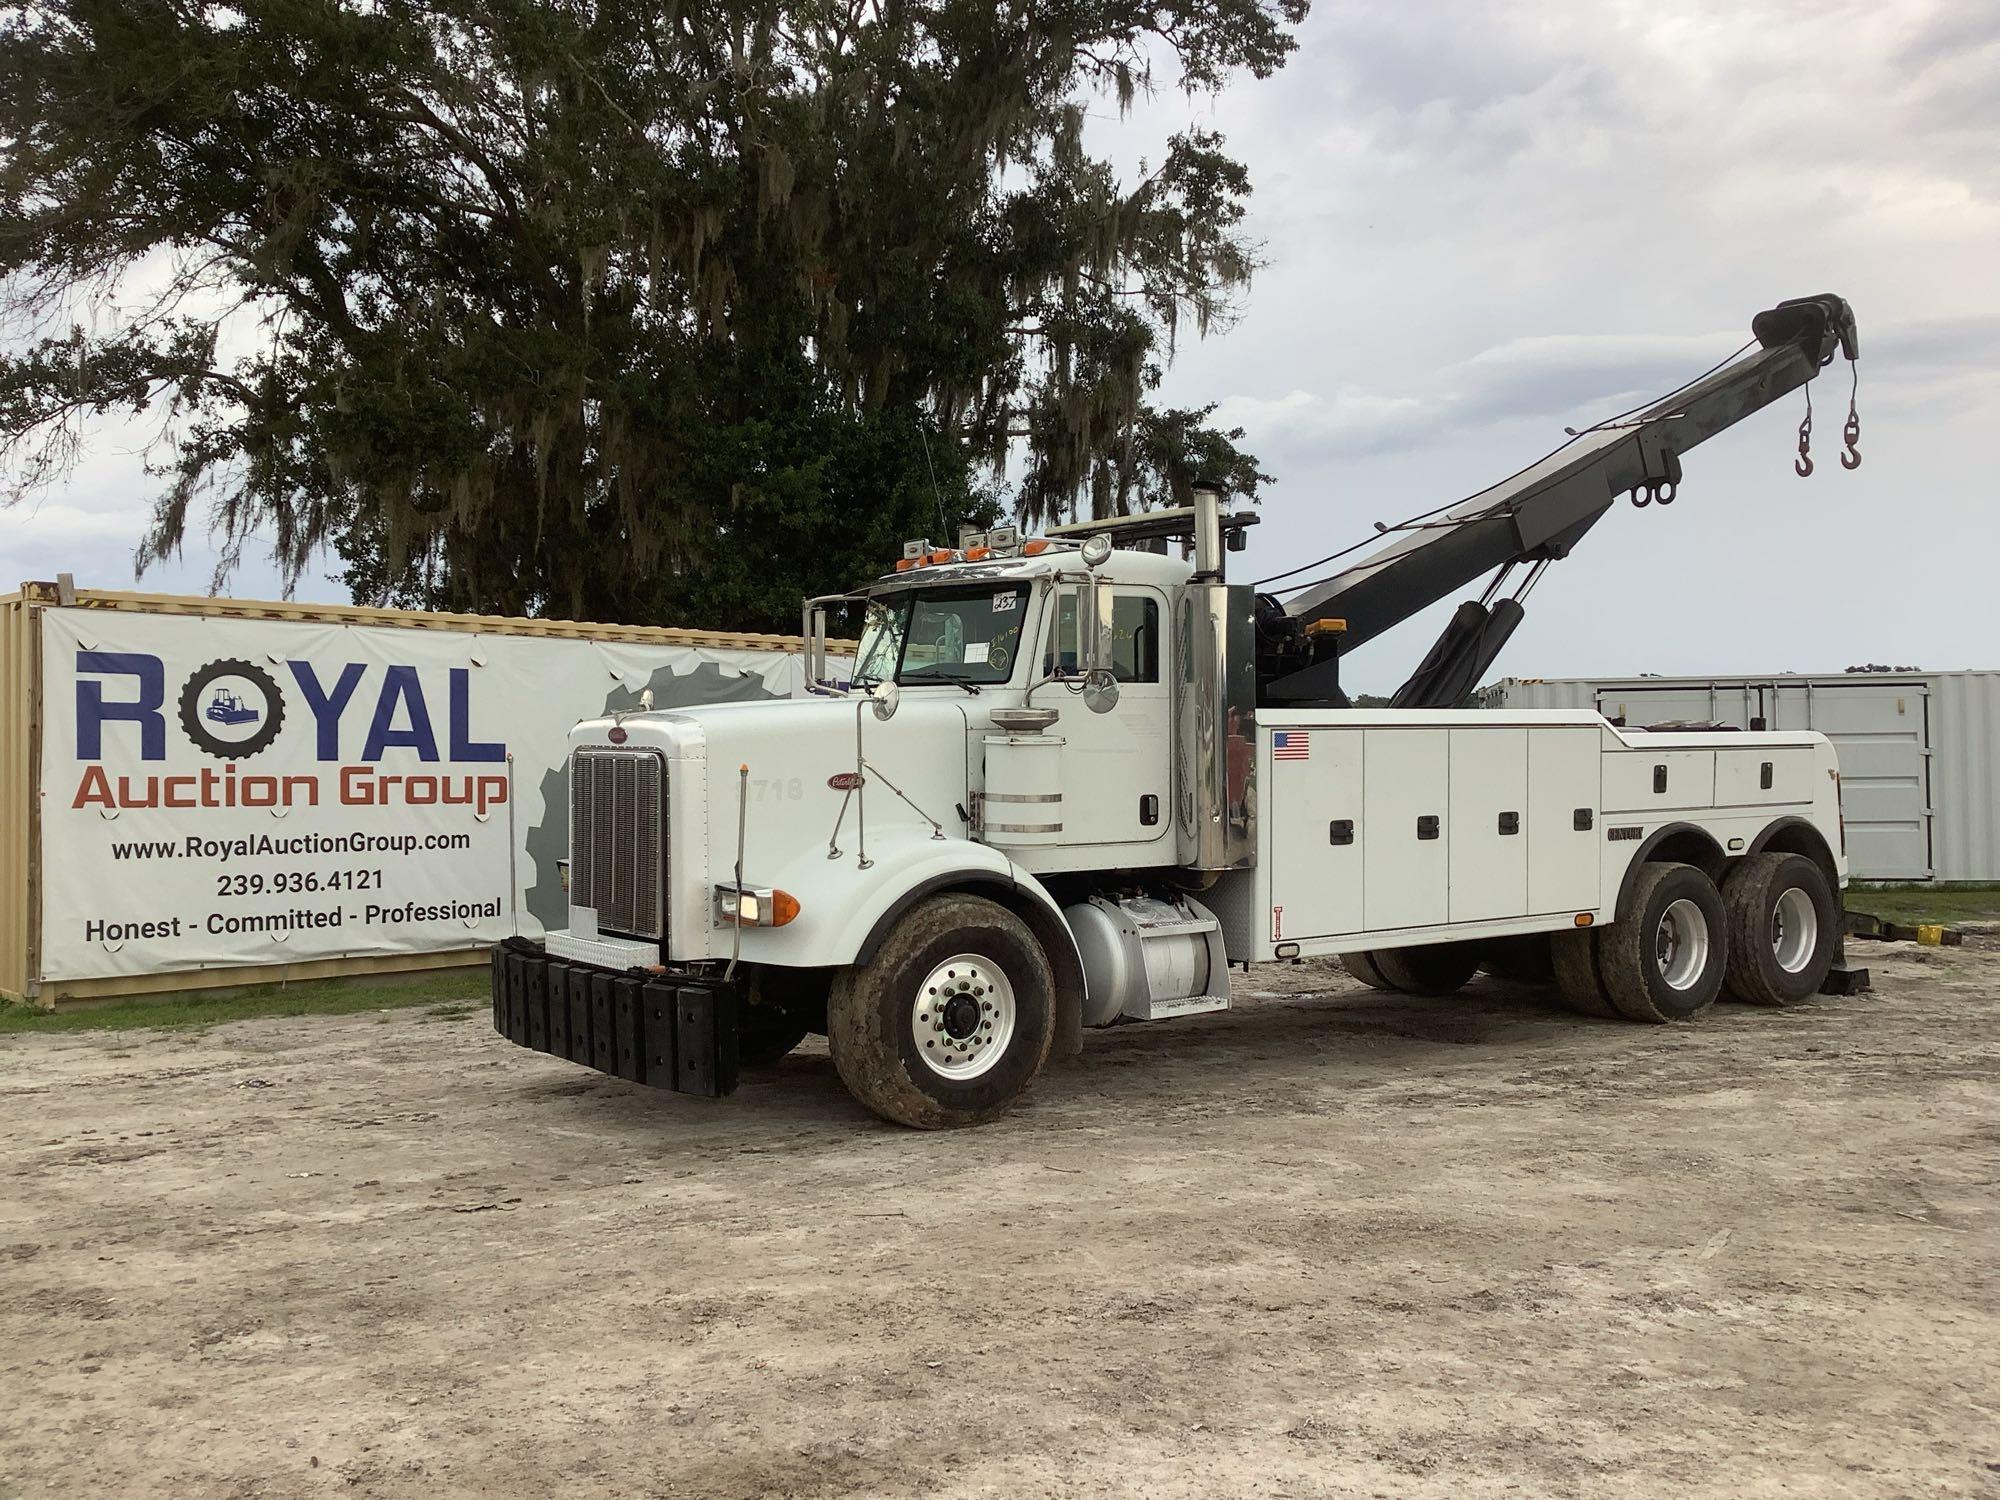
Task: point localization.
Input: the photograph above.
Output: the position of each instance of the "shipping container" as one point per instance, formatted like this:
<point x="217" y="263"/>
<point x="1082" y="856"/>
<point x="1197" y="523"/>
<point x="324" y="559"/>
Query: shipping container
<point x="1918" y="750"/>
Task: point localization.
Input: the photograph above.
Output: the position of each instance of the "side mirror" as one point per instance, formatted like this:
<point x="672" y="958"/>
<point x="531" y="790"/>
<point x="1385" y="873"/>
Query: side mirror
<point x="813" y="638"/>
<point x="1094" y="646"/>
<point x="883" y="699"/>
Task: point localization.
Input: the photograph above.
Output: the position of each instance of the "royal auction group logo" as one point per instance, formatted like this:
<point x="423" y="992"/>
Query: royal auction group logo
<point x="232" y="709"/>
<point x="372" y="735"/>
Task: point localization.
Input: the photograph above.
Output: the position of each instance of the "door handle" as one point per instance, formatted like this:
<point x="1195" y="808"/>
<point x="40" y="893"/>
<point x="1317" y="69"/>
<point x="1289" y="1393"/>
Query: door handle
<point x="1511" y="822"/>
<point x="1427" y="826"/>
<point x="1341" y="831"/>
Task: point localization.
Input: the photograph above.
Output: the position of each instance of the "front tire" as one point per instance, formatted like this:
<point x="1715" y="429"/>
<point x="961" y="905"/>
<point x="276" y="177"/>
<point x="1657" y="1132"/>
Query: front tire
<point x="1784" y="924"/>
<point x="952" y="1018"/>
<point x="1664" y="960"/>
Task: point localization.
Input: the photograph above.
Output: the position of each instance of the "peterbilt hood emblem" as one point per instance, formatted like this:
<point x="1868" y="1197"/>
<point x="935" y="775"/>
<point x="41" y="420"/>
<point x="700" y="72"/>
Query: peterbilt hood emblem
<point x="845" y="781"/>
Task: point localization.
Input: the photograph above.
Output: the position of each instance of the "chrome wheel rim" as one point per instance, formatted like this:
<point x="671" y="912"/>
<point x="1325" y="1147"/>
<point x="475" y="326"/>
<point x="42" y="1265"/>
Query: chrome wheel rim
<point x="1681" y="944"/>
<point x="963" y="1016"/>
<point x="1795" y="930"/>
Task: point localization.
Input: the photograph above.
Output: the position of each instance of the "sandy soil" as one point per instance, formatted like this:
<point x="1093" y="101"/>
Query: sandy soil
<point x="1326" y="1244"/>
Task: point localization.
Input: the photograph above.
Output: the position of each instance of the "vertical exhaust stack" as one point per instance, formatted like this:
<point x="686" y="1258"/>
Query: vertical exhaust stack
<point x="1208" y="531"/>
<point x="1215" y="699"/>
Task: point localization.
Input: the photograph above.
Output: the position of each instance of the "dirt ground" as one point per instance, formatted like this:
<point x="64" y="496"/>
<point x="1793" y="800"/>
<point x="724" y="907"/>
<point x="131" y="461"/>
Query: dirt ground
<point x="1328" y="1243"/>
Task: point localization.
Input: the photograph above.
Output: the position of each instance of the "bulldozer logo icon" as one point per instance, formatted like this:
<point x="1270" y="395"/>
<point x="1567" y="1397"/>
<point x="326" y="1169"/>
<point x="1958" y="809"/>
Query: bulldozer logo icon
<point x="232" y="709"/>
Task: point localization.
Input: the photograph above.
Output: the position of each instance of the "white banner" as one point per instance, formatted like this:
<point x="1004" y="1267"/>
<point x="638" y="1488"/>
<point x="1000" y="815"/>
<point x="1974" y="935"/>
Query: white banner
<point x="219" y="791"/>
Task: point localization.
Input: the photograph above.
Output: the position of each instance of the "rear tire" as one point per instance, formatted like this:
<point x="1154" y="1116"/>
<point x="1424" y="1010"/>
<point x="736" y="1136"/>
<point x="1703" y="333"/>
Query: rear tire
<point x="1363" y="967"/>
<point x="1434" y="969"/>
<point x="951" y="1019"/>
<point x="1784" y="924"/>
<point x="1574" y="958"/>
<point x="1663" y="961"/>
<point x="1520" y="960"/>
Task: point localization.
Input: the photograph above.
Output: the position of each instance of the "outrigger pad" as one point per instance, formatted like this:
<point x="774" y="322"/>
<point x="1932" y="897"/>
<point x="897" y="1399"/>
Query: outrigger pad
<point x="670" y="1031"/>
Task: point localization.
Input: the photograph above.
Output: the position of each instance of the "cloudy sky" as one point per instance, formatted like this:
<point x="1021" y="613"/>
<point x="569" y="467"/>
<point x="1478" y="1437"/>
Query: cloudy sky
<point x="1485" y="223"/>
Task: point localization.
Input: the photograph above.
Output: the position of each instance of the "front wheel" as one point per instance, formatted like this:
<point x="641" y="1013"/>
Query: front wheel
<point x="951" y="1019"/>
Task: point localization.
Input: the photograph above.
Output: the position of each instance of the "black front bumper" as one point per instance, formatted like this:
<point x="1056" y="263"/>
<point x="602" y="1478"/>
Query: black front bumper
<point x="667" y="1031"/>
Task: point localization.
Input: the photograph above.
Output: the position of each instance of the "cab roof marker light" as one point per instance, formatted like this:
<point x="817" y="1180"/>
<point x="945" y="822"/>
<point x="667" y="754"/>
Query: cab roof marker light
<point x="1035" y="548"/>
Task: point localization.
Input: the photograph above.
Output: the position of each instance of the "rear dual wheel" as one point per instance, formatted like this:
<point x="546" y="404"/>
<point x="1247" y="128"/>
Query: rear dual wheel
<point x="1662" y="962"/>
<point x="1784" y="925"/>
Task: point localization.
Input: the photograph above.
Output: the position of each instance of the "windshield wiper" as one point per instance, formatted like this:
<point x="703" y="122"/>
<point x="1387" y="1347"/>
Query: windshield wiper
<point x="957" y="680"/>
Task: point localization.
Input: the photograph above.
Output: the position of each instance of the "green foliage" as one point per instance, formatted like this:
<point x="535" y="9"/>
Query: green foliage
<point x="204" y="1008"/>
<point x="612" y="308"/>
<point x="1915" y="904"/>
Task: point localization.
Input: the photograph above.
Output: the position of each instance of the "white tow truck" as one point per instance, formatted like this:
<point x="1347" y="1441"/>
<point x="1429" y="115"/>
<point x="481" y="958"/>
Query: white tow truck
<point x="1068" y="781"/>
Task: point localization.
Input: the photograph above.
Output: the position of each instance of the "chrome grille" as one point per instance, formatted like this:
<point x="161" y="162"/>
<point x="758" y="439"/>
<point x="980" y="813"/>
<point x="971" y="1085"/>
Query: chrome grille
<point x="618" y="825"/>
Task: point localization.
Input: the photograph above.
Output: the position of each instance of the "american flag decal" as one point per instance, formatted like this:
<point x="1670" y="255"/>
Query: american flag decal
<point x="1289" y="744"/>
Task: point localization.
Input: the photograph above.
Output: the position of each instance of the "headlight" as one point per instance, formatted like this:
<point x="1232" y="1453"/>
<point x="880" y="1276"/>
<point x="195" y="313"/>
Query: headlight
<point x="754" y="906"/>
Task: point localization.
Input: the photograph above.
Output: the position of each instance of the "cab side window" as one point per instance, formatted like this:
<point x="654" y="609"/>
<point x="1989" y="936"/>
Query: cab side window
<point x="1135" y="638"/>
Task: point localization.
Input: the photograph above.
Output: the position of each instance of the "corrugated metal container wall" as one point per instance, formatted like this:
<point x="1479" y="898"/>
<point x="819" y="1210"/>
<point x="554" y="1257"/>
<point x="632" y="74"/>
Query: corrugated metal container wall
<point x="1966" y="748"/>
<point x="1919" y="750"/>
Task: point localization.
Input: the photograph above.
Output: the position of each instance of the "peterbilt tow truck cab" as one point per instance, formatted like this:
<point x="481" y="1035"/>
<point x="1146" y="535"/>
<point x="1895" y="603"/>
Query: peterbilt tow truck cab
<point x="1068" y="781"/>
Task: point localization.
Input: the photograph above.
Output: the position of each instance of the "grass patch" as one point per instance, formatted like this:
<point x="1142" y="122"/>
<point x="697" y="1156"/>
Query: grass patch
<point x="454" y="993"/>
<point x="1912" y="904"/>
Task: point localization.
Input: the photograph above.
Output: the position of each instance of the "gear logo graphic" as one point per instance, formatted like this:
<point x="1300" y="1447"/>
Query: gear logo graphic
<point x="232" y="709"/>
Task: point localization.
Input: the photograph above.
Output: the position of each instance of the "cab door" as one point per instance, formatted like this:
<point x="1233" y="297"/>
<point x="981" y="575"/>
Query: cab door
<point x="1118" y="765"/>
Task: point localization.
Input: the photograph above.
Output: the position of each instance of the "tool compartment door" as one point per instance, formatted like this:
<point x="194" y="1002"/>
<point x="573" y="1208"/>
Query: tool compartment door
<point x="1313" y="810"/>
<point x="1405" y="827"/>
<point x="1752" y="778"/>
<point x="1487" y="835"/>
<point x="1640" y="780"/>
<point x="1565" y="832"/>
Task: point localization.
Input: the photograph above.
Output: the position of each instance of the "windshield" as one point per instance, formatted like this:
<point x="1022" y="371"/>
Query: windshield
<point x="966" y="635"/>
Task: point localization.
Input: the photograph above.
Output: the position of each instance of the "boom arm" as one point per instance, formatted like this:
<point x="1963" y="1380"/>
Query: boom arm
<point x="1540" y="513"/>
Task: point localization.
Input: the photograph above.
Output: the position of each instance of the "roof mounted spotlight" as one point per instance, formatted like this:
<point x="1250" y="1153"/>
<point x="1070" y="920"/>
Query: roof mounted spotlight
<point x="1097" y="549"/>
<point x="917" y="551"/>
<point x="1004" y="541"/>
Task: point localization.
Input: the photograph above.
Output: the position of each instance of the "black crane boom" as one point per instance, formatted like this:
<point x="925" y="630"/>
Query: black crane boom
<point x="1539" y="514"/>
